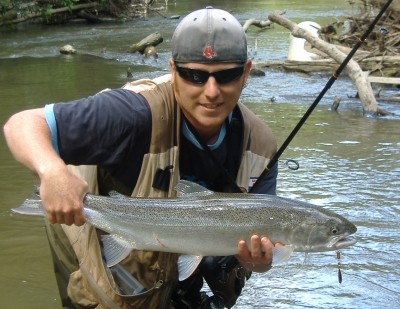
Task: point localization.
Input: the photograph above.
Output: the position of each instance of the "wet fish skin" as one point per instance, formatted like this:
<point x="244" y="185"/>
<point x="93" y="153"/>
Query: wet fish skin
<point x="205" y="223"/>
<point x="219" y="220"/>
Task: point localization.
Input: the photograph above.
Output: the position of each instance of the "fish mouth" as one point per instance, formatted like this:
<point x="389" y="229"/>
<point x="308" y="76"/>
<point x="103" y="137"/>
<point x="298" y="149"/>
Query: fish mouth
<point x="344" y="241"/>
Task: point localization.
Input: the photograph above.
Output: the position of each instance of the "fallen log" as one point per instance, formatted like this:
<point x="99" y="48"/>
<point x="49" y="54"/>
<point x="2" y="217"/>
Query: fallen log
<point x="49" y="12"/>
<point x="353" y="69"/>
<point x="259" y="23"/>
<point x="389" y="99"/>
<point x="151" y="40"/>
<point x="319" y="65"/>
<point x="91" y="18"/>
<point x="384" y="80"/>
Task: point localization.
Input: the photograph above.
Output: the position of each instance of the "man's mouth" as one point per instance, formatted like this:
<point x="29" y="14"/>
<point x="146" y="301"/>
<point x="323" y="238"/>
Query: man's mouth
<point x="211" y="105"/>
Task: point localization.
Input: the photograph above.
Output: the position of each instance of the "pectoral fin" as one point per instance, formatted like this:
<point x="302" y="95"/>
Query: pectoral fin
<point x="281" y="254"/>
<point x="115" y="249"/>
<point x="187" y="264"/>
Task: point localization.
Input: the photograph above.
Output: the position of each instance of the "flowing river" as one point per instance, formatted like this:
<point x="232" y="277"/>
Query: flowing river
<point x="349" y="163"/>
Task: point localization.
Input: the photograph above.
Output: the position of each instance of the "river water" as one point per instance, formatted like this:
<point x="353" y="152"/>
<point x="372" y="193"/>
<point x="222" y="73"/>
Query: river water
<point x="349" y="163"/>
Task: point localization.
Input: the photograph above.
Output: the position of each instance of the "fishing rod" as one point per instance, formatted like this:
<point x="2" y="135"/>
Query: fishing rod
<point x="328" y="85"/>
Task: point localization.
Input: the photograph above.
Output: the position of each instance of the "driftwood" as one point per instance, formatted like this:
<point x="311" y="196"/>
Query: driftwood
<point x="259" y="23"/>
<point x="382" y="44"/>
<point x="151" y="40"/>
<point x="353" y="69"/>
<point x="90" y="17"/>
<point x="318" y="65"/>
<point x="384" y="80"/>
<point x="390" y="99"/>
<point x="328" y="64"/>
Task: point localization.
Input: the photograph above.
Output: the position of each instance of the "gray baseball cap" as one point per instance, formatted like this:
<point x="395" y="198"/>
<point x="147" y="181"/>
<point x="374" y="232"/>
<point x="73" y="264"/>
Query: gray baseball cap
<point x="209" y="36"/>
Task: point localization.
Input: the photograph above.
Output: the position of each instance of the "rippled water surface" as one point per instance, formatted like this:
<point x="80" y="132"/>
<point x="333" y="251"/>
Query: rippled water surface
<point x="349" y="163"/>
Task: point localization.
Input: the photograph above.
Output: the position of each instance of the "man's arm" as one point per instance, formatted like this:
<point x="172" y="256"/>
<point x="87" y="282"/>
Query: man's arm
<point x="29" y="140"/>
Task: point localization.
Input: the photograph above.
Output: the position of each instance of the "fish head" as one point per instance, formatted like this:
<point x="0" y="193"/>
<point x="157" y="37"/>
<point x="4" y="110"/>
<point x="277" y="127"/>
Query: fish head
<point x="327" y="234"/>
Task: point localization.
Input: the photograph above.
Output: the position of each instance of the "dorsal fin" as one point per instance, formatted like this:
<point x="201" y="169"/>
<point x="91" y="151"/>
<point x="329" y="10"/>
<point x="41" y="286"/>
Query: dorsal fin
<point x="185" y="187"/>
<point x="115" y="194"/>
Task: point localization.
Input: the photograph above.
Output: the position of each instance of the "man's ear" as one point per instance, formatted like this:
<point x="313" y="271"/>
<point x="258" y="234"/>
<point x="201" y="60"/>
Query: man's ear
<point x="247" y="68"/>
<point x="172" y="69"/>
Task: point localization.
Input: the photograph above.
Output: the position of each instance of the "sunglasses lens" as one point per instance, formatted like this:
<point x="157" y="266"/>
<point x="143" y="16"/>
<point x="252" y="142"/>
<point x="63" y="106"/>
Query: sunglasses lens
<point x="198" y="76"/>
<point x="192" y="75"/>
<point x="226" y="76"/>
<point x="201" y="77"/>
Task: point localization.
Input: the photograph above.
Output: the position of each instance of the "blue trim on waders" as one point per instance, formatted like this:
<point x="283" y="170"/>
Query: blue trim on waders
<point x="51" y="122"/>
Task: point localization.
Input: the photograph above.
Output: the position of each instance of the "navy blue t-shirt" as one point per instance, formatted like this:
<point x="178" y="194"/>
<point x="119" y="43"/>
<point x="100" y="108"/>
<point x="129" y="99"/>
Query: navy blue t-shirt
<point x="112" y="129"/>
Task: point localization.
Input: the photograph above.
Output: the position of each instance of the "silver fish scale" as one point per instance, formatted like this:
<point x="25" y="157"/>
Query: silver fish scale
<point x="219" y="209"/>
<point x="207" y="223"/>
<point x="212" y="223"/>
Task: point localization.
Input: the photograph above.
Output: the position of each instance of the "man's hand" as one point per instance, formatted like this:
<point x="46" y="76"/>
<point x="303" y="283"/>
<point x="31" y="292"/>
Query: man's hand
<point x="62" y="195"/>
<point x="259" y="257"/>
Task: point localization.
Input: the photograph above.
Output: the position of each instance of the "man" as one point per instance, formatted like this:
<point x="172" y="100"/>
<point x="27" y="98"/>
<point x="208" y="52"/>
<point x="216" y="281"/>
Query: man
<point x="140" y="140"/>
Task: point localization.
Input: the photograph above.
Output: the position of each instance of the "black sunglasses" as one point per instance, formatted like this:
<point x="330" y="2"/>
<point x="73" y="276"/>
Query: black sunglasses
<point x="201" y="77"/>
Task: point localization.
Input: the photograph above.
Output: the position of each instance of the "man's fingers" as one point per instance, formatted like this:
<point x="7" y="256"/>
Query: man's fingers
<point x="79" y="219"/>
<point x="242" y="248"/>
<point x="69" y="219"/>
<point x="267" y="246"/>
<point x="255" y="247"/>
<point x="51" y="217"/>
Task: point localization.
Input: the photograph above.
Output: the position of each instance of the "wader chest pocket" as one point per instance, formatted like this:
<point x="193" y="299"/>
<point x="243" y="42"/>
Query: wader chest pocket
<point x="127" y="284"/>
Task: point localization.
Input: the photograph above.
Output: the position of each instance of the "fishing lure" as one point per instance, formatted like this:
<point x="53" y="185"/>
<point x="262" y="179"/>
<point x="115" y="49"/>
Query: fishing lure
<point x="340" y="278"/>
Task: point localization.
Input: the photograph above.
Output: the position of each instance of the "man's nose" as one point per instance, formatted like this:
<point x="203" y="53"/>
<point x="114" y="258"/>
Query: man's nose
<point x="211" y="87"/>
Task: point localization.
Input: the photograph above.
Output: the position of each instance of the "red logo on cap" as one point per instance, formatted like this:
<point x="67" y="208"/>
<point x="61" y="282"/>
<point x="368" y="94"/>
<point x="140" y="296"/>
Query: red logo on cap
<point x="208" y="52"/>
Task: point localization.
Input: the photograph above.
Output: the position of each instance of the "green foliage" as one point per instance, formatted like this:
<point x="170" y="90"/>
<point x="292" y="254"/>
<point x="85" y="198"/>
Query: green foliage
<point x="13" y="11"/>
<point x="46" y="13"/>
<point x="69" y="3"/>
<point x="4" y="6"/>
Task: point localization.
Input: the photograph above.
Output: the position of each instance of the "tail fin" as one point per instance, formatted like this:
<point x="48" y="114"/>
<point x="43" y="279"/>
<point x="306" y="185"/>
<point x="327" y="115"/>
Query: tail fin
<point x="31" y="206"/>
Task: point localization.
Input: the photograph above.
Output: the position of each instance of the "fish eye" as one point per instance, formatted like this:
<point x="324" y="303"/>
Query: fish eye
<point x="334" y="230"/>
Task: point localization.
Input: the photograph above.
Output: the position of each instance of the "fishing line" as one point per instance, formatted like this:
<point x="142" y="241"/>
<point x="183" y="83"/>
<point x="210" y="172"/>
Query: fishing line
<point x="328" y="85"/>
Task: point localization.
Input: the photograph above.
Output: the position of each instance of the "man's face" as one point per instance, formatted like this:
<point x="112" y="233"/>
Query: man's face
<point x="206" y="100"/>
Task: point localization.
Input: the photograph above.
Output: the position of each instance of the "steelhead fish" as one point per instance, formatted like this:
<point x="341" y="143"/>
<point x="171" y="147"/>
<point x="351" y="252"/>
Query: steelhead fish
<point x="205" y="223"/>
